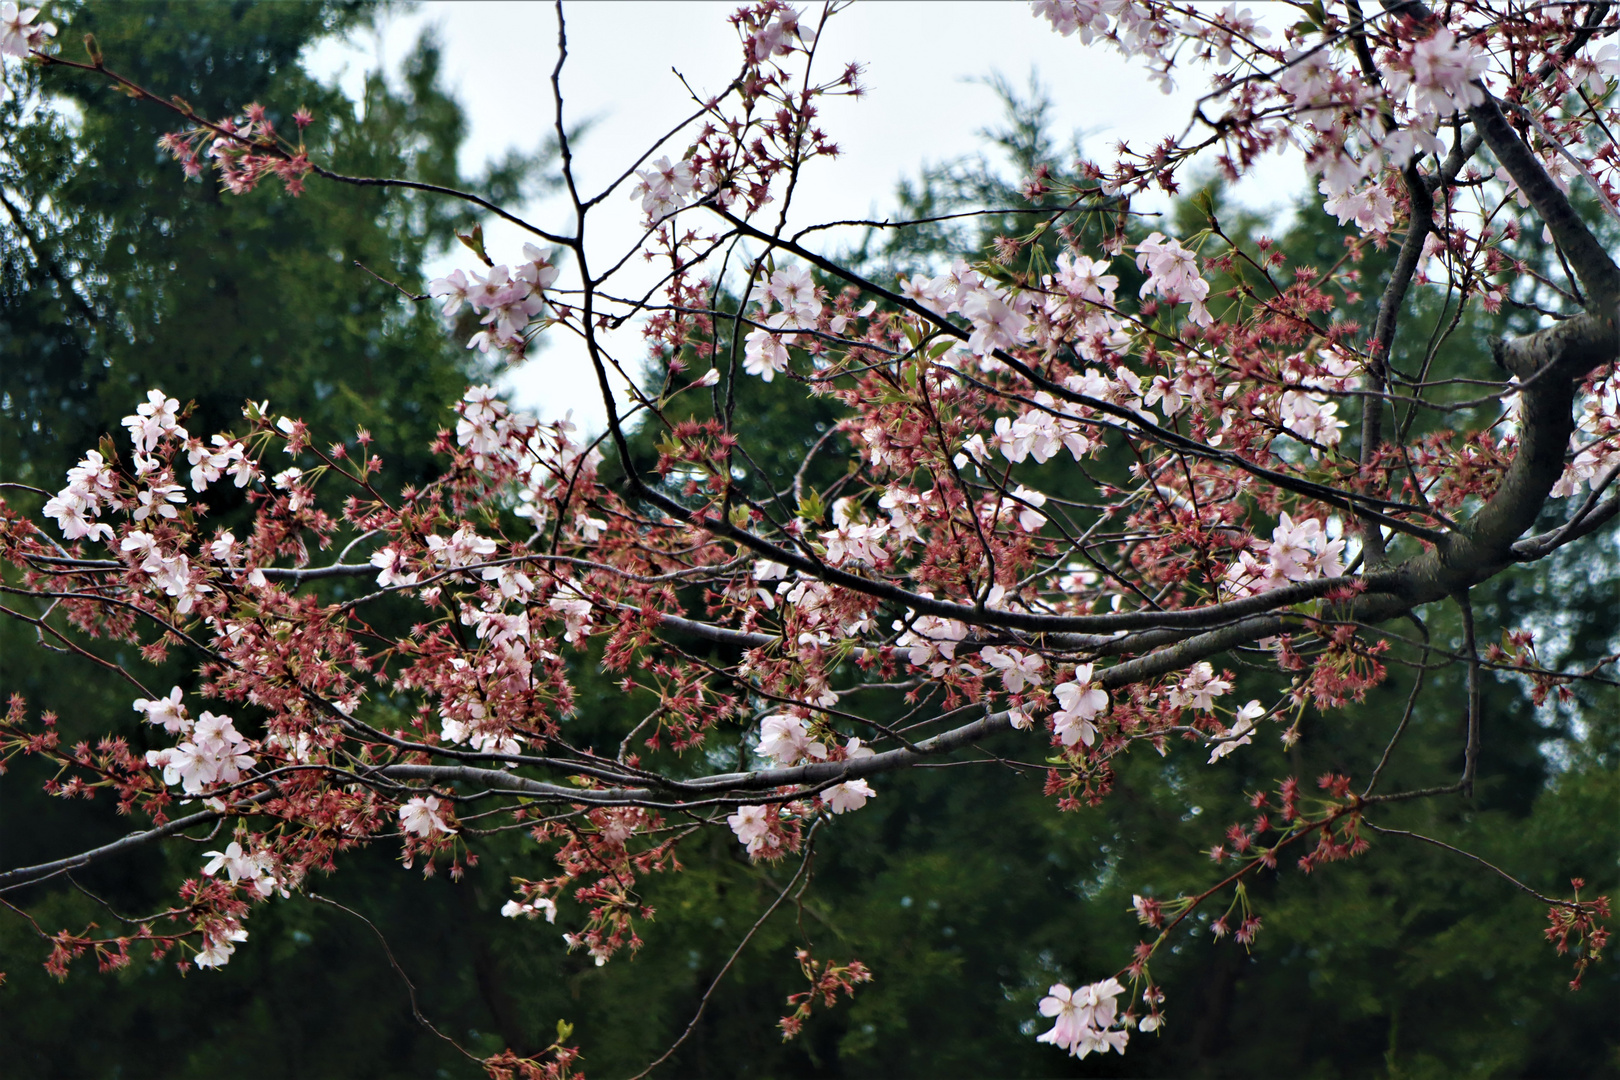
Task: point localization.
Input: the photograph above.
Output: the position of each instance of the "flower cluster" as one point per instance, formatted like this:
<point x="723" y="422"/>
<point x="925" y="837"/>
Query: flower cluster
<point x="1000" y="319"/>
<point x="511" y="300"/>
<point x="765" y="348"/>
<point x="1173" y="274"/>
<point x="787" y="739"/>
<point x="92" y="485"/>
<point x="220" y="938"/>
<point x="257" y="869"/>
<point x="1080" y="702"/>
<point x="1441" y="72"/>
<point x="1198" y="688"/>
<point x="213" y="753"/>
<point x="757" y="830"/>
<point x="1297" y="551"/>
<point x="244" y="150"/>
<point x="1087" y="1019"/>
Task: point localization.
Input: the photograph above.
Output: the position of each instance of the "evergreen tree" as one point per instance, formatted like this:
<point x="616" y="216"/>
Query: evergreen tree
<point x="117" y="276"/>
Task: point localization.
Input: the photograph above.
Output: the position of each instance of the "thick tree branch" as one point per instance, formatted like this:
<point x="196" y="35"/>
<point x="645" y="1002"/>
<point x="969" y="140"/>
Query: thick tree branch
<point x="1592" y="265"/>
<point x="27" y="875"/>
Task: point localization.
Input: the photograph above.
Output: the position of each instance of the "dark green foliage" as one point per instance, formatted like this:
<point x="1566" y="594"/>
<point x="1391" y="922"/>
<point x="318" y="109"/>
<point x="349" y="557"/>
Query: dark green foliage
<point x="120" y="276"/>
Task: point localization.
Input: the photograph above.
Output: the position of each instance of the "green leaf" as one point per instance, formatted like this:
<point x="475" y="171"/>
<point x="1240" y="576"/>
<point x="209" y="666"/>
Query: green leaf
<point x="811" y="507"/>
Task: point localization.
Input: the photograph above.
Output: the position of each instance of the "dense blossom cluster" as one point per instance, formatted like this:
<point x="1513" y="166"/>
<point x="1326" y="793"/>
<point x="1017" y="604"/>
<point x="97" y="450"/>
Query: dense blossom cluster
<point x="1064" y="498"/>
<point x="1087" y="1018"/>
<point x="511" y="300"/>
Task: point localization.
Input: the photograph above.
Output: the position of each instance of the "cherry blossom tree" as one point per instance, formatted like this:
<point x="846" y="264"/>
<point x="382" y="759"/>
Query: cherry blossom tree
<point x="1068" y="517"/>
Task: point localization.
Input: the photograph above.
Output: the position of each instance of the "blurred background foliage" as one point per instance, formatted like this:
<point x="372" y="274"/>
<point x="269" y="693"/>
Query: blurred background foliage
<point x="962" y="887"/>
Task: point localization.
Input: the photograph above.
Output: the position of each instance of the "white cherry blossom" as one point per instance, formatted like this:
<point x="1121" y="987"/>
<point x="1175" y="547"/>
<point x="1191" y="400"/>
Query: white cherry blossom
<point x="1084" y="1018"/>
<point x="850" y="795"/>
<point x="1080" y="702"/>
<point x="787" y="739"/>
<point x="18" y="31"/>
<point x="1242" y="731"/>
<point x="393" y="564"/>
<point x="1017" y="669"/>
<point x="1198" y="688"/>
<point x="752" y="826"/>
<point x="530" y="909"/>
<point x="419" y="816"/>
<point x="218" y="947"/>
<point x="764" y="354"/>
<point x="166" y="712"/>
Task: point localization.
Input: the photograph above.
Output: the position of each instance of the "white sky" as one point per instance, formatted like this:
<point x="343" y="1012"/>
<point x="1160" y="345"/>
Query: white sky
<point x="922" y="105"/>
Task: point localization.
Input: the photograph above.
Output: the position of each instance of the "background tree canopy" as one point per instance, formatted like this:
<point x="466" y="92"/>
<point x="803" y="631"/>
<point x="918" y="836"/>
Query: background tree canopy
<point x="1408" y="962"/>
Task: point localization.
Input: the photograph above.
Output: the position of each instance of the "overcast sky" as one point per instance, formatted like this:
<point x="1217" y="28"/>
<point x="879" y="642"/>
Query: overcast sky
<point x="923" y="104"/>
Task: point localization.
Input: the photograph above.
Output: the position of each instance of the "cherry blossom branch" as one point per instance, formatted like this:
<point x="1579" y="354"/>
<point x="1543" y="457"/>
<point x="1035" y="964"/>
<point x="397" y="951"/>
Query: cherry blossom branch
<point x="1587" y="518"/>
<point x="983" y="635"/>
<point x="40" y="624"/>
<point x="1344" y="500"/>
<point x="1592" y="264"/>
<point x="1350" y="501"/>
<point x="890" y="223"/>
<point x="179" y="108"/>
<point x="718" y="785"/>
<point x="415" y="298"/>
<point x="27" y="875"/>
<point x="1420" y="222"/>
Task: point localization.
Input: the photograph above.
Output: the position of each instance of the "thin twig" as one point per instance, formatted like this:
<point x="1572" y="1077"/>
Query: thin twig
<point x="414" y="298"/>
<point x="1411" y="701"/>
<point x="1470" y="855"/>
<point x="691" y="1026"/>
<point x="410" y="987"/>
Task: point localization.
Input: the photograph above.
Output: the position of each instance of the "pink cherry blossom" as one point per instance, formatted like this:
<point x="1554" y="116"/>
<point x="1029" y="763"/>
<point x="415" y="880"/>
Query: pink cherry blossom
<point x="18" y="31"/>
<point x="1217" y="492"/>
<point x="1017" y="669"/>
<point x="997" y="323"/>
<point x="663" y="188"/>
<point x="1443" y="73"/>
